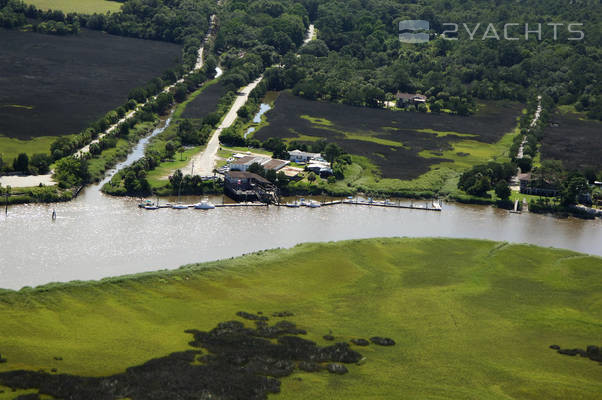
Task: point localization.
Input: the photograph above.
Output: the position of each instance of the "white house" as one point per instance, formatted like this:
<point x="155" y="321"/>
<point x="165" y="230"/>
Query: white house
<point x="299" y="156"/>
<point x="241" y="164"/>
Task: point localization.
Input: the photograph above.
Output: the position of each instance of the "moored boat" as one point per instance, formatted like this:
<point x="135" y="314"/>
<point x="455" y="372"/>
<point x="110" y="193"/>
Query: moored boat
<point x="144" y="204"/>
<point x="314" y="204"/>
<point x="205" y="204"/>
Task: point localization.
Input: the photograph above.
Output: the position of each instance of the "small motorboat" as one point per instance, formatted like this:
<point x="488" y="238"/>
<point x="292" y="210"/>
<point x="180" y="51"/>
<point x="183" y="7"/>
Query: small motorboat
<point x="179" y="206"/>
<point x="145" y="203"/>
<point x="151" y="207"/>
<point x="302" y="202"/>
<point x="294" y="204"/>
<point x="314" y="204"/>
<point x="205" y="204"/>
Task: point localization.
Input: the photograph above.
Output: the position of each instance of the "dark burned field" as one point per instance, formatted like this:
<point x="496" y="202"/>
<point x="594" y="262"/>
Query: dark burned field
<point x="391" y="139"/>
<point x="577" y="143"/>
<point x="57" y="85"/>
<point x="204" y="103"/>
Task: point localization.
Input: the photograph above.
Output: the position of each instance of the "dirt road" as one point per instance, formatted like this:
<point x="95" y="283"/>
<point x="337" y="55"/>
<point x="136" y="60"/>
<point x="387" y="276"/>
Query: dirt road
<point x="204" y="162"/>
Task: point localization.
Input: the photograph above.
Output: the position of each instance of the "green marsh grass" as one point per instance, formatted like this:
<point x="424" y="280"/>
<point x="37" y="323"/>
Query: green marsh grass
<point x="472" y="319"/>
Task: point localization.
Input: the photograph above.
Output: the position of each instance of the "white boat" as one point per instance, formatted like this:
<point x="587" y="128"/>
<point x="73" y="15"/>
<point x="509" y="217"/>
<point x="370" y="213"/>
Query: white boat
<point x="314" y="204"/>
<point x="294" y="204"/>
<point x="205" y="204"/>
<point x="302" y="202"/>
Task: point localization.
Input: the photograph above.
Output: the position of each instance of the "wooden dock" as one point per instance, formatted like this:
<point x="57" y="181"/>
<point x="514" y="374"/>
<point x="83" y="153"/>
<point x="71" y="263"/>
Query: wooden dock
<point x="387" y="204"/>
<point x="426" y="207"/>
<point x="254" y="204"/>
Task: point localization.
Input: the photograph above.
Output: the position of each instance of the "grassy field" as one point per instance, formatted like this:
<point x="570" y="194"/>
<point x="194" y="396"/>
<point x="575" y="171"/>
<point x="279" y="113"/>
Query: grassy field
<point x="78" y="6"/>
<point x="11" y="147"/>
<point x="158" y="176"/>
<point x="472" y="319"/>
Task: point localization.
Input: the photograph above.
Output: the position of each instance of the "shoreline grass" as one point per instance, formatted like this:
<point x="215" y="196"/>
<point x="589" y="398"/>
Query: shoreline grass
<point x="473" y="319"/>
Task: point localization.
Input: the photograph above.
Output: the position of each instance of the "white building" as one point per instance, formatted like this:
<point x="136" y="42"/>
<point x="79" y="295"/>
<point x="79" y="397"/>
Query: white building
<point x="243" y="163"/>
<point x="299" y="156"/>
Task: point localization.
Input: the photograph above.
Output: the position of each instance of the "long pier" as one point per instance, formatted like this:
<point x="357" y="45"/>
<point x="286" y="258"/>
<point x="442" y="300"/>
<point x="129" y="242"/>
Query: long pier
<point x="433" y="207"/>
<point x="255" y="204"/>
<point x="315" y="204"/>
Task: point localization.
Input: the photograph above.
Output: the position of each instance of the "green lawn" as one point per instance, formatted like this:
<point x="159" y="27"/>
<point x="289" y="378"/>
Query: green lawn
<point x="472" y="319"/>
<point x="157" y="176"/>
<point x="10" y="148"/>
<point x="79" y="6"/>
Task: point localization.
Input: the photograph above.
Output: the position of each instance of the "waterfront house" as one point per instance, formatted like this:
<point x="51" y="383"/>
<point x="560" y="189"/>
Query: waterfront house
<point x="537" y="187"/>
<point x="246" y="186"/>
<point x="243" y="163"/>
<point x="403" y="99"/>
<point x="320" y="168"/>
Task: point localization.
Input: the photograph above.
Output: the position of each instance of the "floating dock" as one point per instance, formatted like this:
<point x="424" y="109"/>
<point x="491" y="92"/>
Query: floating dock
<point x="387" y="204"/>
<point x="433" y="206"/>
<point x="254" y="204"/>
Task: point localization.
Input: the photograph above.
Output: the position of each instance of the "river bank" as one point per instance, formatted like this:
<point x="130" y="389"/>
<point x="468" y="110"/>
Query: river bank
<point x="441" y="300"/>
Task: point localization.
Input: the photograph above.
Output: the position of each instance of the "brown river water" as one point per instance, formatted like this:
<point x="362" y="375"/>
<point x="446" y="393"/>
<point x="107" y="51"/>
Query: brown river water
<point x="98" y="236"/>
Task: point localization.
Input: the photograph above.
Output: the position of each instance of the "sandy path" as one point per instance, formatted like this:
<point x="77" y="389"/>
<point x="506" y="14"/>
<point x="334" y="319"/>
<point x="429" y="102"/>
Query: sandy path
<point x="204" y="162"/>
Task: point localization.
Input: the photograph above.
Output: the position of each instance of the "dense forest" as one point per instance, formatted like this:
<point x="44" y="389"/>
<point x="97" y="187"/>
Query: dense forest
<point x="360" y="60"/>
